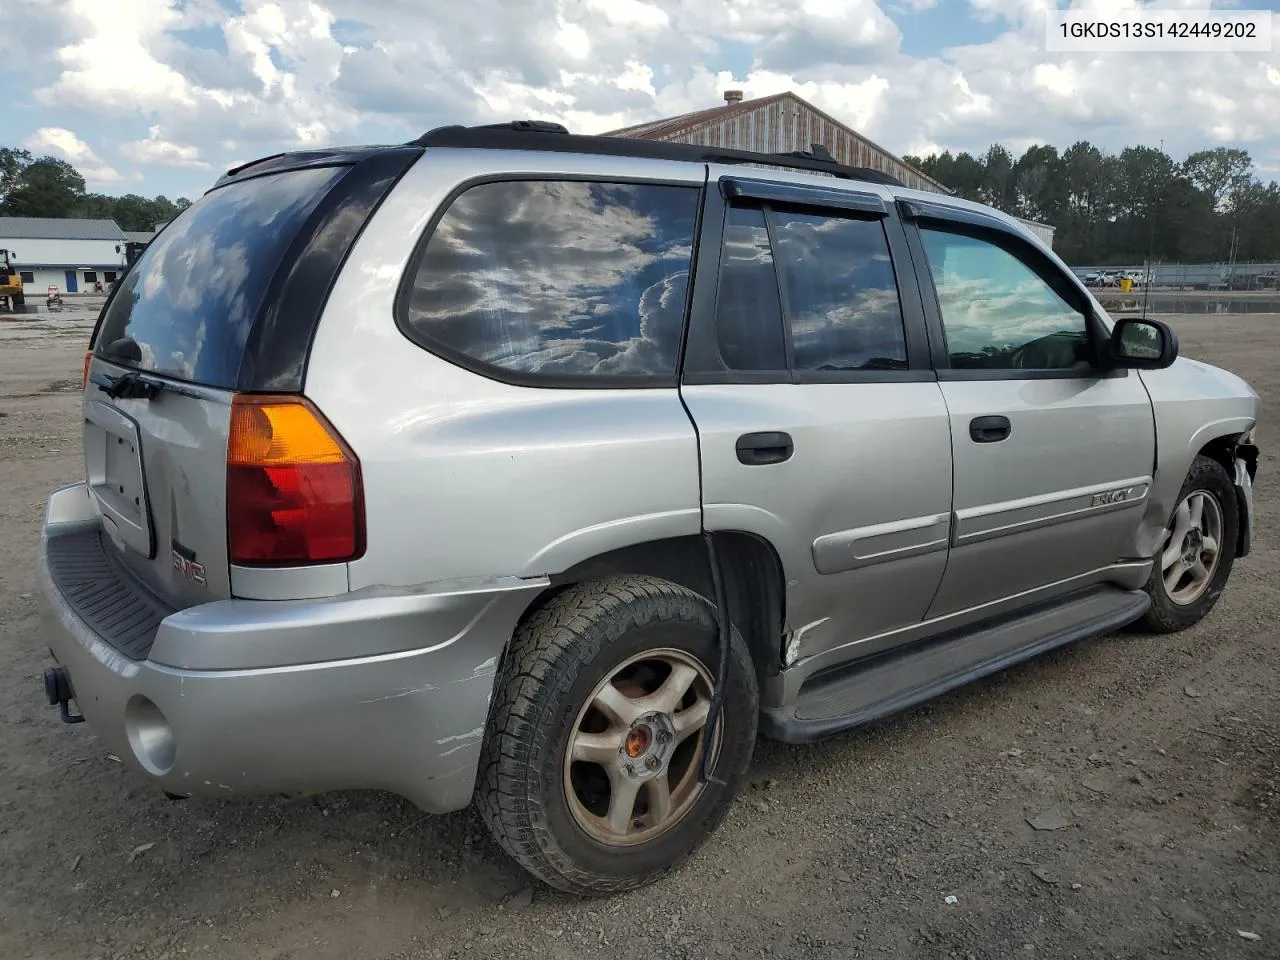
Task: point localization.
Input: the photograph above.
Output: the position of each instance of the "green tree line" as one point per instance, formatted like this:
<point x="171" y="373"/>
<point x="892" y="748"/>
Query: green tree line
<point x="1112" y="209"/>
<point x="49" y="187"/>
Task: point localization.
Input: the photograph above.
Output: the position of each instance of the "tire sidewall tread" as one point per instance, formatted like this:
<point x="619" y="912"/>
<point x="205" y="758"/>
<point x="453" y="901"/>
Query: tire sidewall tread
<point x="1165" y="616"/>
<point x="554" y="661"/>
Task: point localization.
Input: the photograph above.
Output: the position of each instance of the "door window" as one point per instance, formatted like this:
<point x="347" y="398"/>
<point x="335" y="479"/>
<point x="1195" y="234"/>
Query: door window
<point x="998" y="313"/>
<point x="826" y="280"/>
<point x="840" y="293"/>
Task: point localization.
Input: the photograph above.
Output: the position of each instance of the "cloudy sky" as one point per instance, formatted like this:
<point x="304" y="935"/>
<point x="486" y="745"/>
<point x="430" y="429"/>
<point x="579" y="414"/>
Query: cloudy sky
<point x="158" y="96"/>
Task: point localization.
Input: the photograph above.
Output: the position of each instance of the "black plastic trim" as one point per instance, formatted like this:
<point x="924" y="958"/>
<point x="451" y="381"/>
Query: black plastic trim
<point x="783" y="723"/>
<point x="279" y="342"/>
<point x="788" y="337"/>
<point x="404" y="291"/>
<point x="304" y="159"/>
<point x="509" y="137"/>
<point x="1093" y="373"/>
<point x="925" y="210"/>
<point x="112" y="602"/>
<point x="735" y="188"/>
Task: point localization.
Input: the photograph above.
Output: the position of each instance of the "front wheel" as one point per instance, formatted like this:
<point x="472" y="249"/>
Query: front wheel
<point x="590" y="773"/>
<point x="1195" y="557"/>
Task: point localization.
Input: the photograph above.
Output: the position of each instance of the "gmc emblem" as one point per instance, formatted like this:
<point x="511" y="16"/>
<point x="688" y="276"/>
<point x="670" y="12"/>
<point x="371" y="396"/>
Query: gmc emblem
<point x="184" y="561"/>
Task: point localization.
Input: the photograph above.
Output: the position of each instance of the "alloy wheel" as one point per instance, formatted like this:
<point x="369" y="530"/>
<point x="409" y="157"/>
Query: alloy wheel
<point x="1193" y="548"/>
<point x="631" y="766"/>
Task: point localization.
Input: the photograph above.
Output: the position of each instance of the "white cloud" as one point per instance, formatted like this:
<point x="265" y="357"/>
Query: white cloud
<point x="160" y="152"/>
<point x="630" y="12"/>
<point x="65" y="145"/>
<point x="309" y="72"/>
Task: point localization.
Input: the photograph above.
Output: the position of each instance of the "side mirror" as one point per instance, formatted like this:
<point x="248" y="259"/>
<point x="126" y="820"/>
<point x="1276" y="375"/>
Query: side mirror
<point x="1143" y="344"/>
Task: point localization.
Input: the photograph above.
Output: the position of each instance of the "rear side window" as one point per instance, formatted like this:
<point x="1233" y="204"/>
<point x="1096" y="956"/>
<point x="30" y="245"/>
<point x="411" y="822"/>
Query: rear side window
<point x="549" y="279"/>
<point x="188" y="304"/>
<point x="840" y="293"/>
<point x="748" y="311"/>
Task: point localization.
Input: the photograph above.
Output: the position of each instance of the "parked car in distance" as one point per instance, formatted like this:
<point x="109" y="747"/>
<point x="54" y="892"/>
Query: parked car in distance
<point x="544" y="470"/>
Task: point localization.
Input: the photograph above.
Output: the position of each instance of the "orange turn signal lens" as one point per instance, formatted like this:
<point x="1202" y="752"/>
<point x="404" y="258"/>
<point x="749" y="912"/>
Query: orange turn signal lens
<point x="84" y="375"/>
<point x="280" y="431"/>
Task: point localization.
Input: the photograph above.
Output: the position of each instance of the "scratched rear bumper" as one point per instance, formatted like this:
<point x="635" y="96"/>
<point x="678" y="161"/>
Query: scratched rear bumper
<point x="392" y="714"/>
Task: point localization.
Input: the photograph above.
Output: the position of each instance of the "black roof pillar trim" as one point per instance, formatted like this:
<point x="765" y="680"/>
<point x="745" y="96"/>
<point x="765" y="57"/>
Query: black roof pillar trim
<point x="733" y="188"/>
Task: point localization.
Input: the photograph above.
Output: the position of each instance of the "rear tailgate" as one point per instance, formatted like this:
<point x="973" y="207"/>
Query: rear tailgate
<point x="168" y="359"/>
<point x="157" y="470"/>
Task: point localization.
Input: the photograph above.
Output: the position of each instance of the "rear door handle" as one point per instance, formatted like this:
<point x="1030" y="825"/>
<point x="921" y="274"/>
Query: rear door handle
<point x="989" y="429"/>
<point x="758" y="449"/>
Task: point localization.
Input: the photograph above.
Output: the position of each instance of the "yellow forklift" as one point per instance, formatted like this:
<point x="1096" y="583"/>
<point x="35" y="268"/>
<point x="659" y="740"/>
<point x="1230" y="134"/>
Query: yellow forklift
<point x="11" y="296"/>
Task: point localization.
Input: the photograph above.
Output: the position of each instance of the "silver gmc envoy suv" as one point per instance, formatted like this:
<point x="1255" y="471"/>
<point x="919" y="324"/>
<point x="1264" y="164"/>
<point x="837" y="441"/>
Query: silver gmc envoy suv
<point x="547" y="469"/>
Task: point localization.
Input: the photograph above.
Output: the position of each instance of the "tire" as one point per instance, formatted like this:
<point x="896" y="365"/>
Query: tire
<point x="19" y="301"/>
<point x="532" y="797"/>
<point x="1167" y="614"/>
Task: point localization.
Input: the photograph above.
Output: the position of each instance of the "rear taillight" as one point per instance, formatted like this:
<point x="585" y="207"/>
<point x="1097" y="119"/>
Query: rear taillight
<point x="84" y="375"/>
<point x="293" y="486"/>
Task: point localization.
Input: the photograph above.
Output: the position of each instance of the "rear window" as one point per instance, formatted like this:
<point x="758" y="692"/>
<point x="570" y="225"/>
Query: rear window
<point x="191" y="299"/>
<point x="558" y="280"/>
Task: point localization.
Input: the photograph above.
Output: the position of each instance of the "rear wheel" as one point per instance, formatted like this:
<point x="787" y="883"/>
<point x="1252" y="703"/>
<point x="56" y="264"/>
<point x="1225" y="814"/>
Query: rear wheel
<point x="1198" y="550"/>
<point x="19" y="301"/>
<point x="590" y="773"/>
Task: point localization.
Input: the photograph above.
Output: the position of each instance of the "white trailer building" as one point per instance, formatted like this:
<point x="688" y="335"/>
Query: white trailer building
<point x="72" y="255"/>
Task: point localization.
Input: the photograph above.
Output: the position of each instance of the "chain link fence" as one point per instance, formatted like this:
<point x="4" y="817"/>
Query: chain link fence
<point x="1187" y="276"/>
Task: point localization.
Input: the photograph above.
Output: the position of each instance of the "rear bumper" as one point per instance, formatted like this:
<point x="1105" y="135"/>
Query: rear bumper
<point x="228" y="701"/>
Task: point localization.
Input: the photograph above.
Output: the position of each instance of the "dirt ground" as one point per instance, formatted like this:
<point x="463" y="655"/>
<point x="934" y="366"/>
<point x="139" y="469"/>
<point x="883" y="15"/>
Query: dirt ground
<point x="1162" y="754"/>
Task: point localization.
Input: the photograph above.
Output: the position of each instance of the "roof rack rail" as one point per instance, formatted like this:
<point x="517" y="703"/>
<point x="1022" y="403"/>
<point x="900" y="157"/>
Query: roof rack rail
<point x="552" y="137"/>
<point x="816" y="151"/>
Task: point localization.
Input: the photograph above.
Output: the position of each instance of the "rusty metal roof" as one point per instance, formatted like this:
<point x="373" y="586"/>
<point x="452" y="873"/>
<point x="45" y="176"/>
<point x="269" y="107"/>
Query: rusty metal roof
<point x="672" y="127"/>
<point x="675" y="128"/>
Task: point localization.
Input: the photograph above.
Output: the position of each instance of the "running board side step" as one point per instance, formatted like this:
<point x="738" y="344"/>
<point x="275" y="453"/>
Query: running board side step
<point x="864" y="692"/>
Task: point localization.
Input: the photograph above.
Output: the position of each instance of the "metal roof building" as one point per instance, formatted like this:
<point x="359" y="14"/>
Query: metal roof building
<point x="64" y="253"/>
<point x="779" y="124"/>
<point x="785" y="122"/>
<point x="59" y="228"/>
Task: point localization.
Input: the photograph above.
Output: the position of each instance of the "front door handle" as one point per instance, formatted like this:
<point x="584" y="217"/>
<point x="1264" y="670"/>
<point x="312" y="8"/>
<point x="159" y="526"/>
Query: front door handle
<point x="989" y="429"/>
<point x="757" y="449"/>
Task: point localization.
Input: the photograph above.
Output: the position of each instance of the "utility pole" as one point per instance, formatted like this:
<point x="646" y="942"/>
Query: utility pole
<point x="1151" y="252"/>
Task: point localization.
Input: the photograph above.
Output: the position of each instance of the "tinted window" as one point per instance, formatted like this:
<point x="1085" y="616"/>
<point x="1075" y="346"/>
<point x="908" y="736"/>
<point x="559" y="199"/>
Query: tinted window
<point x="997" y="313"/>
<point x="840" y="293"/>
<point x="748" y="313"/>
<point x="192" y="297"/>
<point x="559" y="278"/>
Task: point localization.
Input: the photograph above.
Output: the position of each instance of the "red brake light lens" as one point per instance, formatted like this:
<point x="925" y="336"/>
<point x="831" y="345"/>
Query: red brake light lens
<point x="293" y="486"/>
